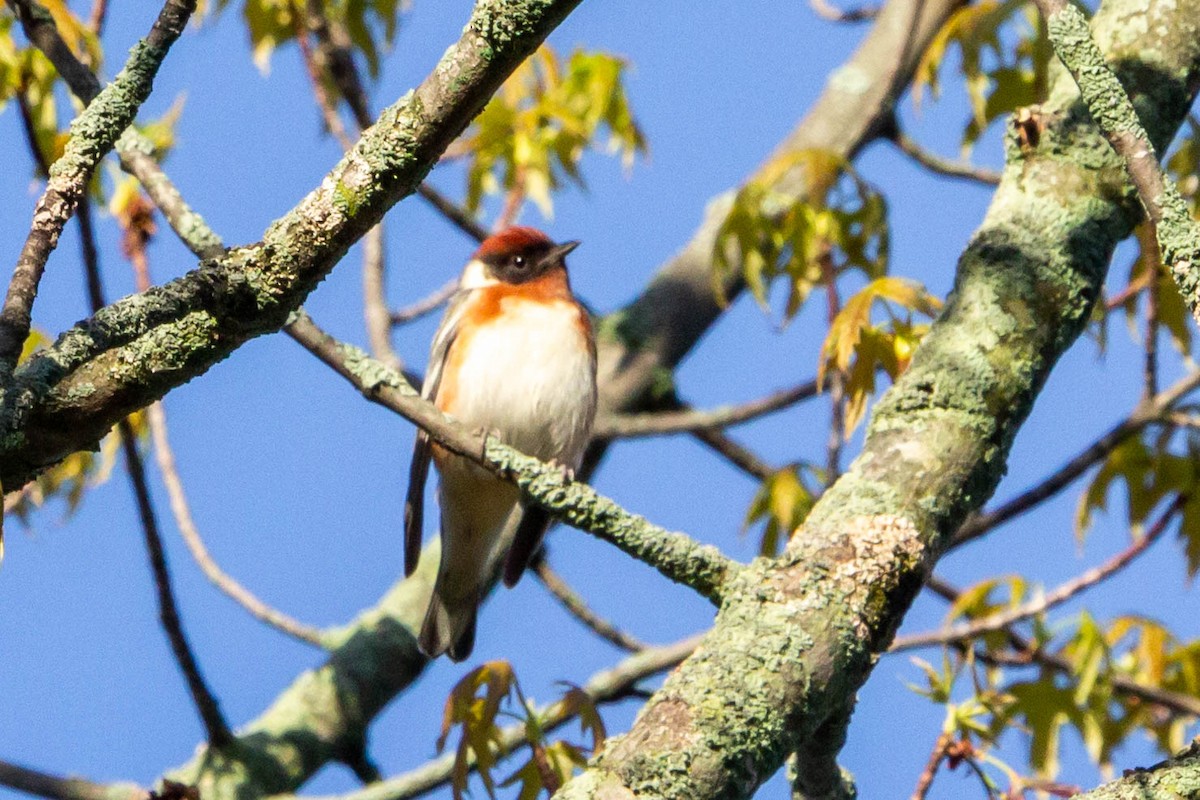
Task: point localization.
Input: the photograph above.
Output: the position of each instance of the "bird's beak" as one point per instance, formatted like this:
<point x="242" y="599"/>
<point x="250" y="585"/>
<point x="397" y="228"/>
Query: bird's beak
<point x="559" y="252"/>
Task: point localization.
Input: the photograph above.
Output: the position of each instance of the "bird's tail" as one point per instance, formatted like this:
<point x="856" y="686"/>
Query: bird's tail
<point x="449" y="627"/>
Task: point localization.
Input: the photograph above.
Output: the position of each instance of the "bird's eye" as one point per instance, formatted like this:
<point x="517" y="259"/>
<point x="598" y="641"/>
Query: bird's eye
<point x="518" y="262"/>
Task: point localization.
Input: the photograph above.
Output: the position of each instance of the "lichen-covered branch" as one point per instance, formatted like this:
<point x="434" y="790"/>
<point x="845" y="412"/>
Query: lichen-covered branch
<point x="1175" y="778"/>
<point x="796" y="637"/>
<point x="135" y="350"/>
<point x="93" y="134"/>
<point x="1178" y="234"/>
<point x="675" y="555"/>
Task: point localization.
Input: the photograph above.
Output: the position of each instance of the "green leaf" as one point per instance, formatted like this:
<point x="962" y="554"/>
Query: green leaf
<point x="532" y="135"/>
<point x="782" y="502"/>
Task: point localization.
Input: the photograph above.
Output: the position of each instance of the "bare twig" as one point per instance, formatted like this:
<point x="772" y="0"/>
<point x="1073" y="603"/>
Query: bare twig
<point x="96" y="19"/>
<point x="453" y="212"/>
<point x="191" y="537"/>
<point x="1144" y="414"/>
<point x="1177" y="233"/>
<point x="1150" y="347"/>
<point x="108" y="114"/>
<point x="942" y="166"/>
<point x="52" y="787"/>
<point x="925" y="780"/>
<point x="605" y="687"/>
<point x="836" y="377"/>
<point x="168" y="611"/>
<point x="1055" y="597"/>
<point x="576" y="607"/>
<point x="1024" y="653"/>
<point x="825" y="10"/>
<point x="675" y="555"/>
<point x="426" y="305"/>
<point x="686" y="419"/>
<point x="332" y="55"/>
<point x="737" y="454"/>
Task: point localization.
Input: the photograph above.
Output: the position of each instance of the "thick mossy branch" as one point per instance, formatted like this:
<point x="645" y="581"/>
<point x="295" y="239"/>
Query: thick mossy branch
<point x="675" y="555"/>
<point x="1178" y="234"/>
<point x="796" y="638"/>
<point x="137" y="349"/>
<point x="1173" y="779"/>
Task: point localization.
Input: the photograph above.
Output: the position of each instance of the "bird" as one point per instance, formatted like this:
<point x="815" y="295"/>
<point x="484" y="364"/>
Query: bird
<point x="514" y="357"/>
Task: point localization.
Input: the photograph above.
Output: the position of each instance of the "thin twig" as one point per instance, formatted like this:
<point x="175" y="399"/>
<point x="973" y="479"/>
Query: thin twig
<point x="825" y="10"/>
<point x="332" y="55"/>
<point x="837" y="377"/>
<point x="605" y="687"/>
<point x="1144" y="414"/>
<point x="52" y="787"/>
<point x="217" y="729"/>
<point x="1049" y="600"/>
<point x="1024" y="653"/>
<point x="453" y="212"/>
<point x="942" y="166"/>
<point x="96" y="19"/>
<point x="687" y="420"/>
<point x="1150" y="348"/>
<point x="107" y="114"/>
<point x="195" y="544"/>
<point x="733" y="452"/>
<point x="576" y="607"/>
<point x="135" y="250"/>
<point x="1177" y="232"/>
<point x="206" y="703"/>
<point x="426" y="305"/>
<point x="925" y="781"/>
<point x="675" y="555"/>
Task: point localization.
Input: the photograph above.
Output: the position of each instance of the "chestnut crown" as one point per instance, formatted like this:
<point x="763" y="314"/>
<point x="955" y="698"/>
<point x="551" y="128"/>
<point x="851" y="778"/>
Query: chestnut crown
<point x="519" y="254"/>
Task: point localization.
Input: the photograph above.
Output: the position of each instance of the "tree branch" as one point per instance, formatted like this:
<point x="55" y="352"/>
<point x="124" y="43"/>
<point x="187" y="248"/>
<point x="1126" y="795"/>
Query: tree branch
<point x="675" y="555"/>
<point x="942" y="166"/>
<point x="1047" y="601"/>
<point x="578" y="608"/>
<point x="205" y="701"/>
<point x="52" y="787"/>
<point x="228" y="585"/>
<point x="1146" y="412"/>
<point x="628" y="426"/>
<point x="93" y="133"/>
<point x="1178" y="234"/>
<point x="1024" y="653"/>
<point x="425" y="305"/>
<point x="1172" y="779"/>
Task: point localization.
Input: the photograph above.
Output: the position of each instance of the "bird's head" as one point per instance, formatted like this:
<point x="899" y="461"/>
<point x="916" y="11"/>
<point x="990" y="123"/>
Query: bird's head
<point x="515" y="255"/>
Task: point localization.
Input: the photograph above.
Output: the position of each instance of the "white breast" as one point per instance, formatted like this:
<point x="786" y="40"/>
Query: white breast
<point x="529" y="376"/>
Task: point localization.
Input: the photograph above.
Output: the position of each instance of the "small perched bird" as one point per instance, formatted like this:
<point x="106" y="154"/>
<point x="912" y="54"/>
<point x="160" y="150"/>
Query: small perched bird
<point x="514" y="356"/>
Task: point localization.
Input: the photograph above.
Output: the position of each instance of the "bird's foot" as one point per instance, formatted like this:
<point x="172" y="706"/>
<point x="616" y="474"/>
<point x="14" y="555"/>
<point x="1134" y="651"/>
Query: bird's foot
<point x="485" y="434"/>
<point x="567" y="472"/>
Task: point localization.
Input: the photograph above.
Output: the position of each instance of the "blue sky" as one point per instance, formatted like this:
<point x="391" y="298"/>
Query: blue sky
<point x="297" y="484"/>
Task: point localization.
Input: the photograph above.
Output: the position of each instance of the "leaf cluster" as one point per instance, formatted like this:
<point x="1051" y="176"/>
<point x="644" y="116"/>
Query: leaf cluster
<point x="533" y="133"/>
<point x="478" y="702"/>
